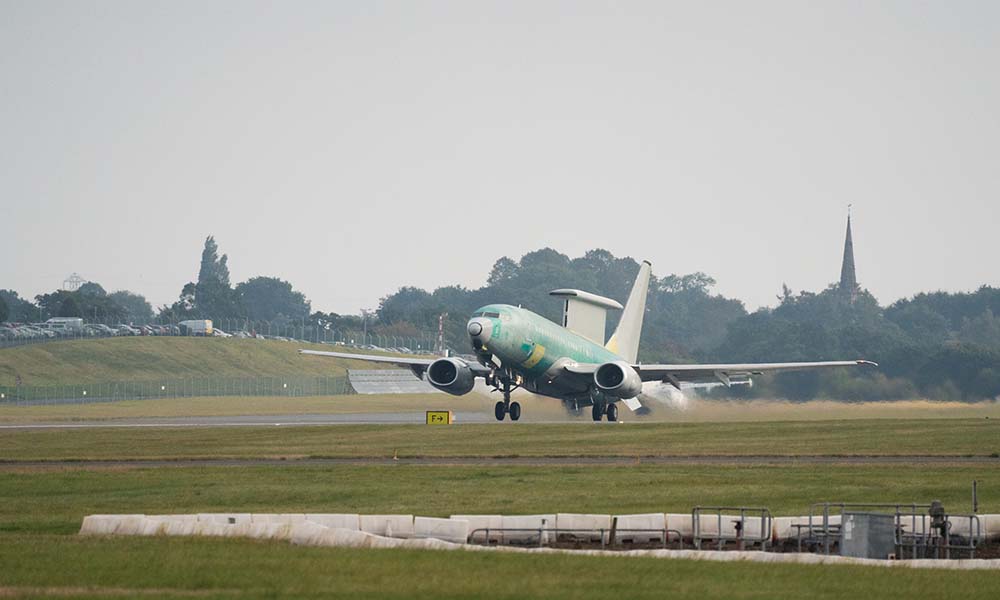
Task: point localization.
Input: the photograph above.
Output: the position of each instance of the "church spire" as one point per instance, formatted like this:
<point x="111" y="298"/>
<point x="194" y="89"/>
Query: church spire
<point x="848" y="278"/>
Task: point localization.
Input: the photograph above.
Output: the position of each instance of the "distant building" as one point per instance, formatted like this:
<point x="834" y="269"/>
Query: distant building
<point x="848" y="277"/>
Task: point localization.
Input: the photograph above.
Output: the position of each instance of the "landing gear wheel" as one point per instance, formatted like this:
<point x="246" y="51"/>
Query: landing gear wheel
<point x="597" y="412"/>
<point x="515" y="411"/>
<point x="500" y="410"/>
<point x="612" y="413"/>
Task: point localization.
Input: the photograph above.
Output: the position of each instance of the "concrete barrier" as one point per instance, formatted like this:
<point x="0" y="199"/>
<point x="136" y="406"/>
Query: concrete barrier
<point x="657" y="521"/>
<point x="210" y="528"/>
<point x="307" y="533"/>
<point x="153" y="526"/>
<point x="269" y="531"/>
<point x="336" y="521"/>
<point x="349" y="538"/>
<point x="531" y="523"/>
<point x="225" y="518"/>
<point x="98" y="524"/>
<point x="991" y="525"/>
<point x="681" y="522"/>
<point x="400" y="526"/>
<point x="781" y="528"/>
<point x="581" y="526"/>
<point x="494" y="522"/>
<point x="449" y="530"/>
<point x="280" y="518"/>
<point x="177" y="526"/>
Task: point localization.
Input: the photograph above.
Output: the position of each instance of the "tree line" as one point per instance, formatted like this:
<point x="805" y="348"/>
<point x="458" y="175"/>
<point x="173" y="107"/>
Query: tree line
<point x="936" y="345"/>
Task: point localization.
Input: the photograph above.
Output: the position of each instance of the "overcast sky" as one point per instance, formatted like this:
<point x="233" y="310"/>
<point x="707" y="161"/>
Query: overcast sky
<point x="352" y="148"/>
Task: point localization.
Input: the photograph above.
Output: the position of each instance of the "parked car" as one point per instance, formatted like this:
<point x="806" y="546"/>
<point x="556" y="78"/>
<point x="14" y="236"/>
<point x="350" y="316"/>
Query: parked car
<point x="201" y="327"/>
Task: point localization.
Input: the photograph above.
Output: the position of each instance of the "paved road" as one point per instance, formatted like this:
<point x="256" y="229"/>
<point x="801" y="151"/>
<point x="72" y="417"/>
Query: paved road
<point x="508" y="461"/>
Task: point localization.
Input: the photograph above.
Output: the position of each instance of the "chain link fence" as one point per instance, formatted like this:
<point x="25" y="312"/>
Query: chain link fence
<point x="111" y="391"/>
<point x="303" y="331"/>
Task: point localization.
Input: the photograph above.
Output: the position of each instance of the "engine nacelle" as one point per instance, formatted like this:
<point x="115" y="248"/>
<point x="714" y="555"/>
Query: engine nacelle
<point x="618" y="379"/>
<point x="451" y="375"/>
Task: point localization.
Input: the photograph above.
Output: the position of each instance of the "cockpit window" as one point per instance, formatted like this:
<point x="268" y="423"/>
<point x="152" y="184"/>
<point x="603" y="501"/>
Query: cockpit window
<point x="493" y="315"/>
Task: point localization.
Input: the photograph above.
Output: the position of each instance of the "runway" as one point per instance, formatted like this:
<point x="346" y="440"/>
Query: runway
<point x="291" y="420"/>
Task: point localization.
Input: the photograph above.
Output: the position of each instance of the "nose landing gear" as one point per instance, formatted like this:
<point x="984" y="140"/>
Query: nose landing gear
<point x="505" y="406"/>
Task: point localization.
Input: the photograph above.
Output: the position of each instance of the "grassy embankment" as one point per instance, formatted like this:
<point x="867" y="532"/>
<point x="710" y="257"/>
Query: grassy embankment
<point x="152" y="358"/>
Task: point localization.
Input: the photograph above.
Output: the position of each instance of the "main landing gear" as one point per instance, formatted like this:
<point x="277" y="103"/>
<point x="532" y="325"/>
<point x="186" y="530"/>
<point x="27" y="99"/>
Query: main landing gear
<point x="608" y="409"/>
<point x="505" y="406"/>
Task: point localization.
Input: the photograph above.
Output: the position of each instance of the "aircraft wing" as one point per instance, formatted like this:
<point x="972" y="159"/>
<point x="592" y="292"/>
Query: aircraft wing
<point x="417" y="365"/>
<point x="723" y="373"/>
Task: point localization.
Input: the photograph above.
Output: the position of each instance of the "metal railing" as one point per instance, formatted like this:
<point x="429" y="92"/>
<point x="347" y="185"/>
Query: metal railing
<point x="921" y="539"/>
<point x="112" y="391"/>
<point x="546" y="536"/>
<point x="738" y="535"/>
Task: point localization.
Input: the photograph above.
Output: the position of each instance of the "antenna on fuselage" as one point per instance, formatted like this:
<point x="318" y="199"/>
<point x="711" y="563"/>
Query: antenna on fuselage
<point x="585" y="313"/>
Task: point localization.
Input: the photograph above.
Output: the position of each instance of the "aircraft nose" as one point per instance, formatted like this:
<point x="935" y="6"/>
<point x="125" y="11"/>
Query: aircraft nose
<point x="479" y="329"/>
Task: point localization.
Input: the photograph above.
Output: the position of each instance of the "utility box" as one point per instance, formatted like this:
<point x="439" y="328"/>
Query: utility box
<point x="868" y="535"/>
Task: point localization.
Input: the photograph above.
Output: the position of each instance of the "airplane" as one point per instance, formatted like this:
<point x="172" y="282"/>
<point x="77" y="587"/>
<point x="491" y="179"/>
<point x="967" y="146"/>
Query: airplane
<point x="516" y="348"/>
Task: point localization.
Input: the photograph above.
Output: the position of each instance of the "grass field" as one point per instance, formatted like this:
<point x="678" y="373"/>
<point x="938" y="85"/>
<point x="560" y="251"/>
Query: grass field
<point x="150" y="358"/>
<point x="55" y="500"/>
<point x="168" y="568"/>
<point x="980" y="437"/>
<point x="41" y="507"/>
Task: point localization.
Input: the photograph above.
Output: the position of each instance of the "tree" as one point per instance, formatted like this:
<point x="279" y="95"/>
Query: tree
<point x="70" y="307"/>
<point x="503" y="270"/>
<point x="211" y="296"/>
<point x="982" y="330"/>
<point x="88" y="306"/>
<point x="213" y="268"/>
<point x="135" y="306"/>
<point x="267" y="298"/>
<point x="18" y="309"/>
<point x="4" y="311"/>
<point x="92" y="289"/>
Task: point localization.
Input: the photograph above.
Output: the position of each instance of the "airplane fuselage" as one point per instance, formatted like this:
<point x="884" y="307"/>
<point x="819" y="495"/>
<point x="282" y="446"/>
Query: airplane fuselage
<point x="534" y="348"/>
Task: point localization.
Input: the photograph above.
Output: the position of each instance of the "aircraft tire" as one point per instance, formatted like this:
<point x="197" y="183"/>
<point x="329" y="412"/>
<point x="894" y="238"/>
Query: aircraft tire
<point x="500" y="410"/>
<point x="515" y="411"/>
<point x="612" y="413"/>
<point x="597" y="412"/>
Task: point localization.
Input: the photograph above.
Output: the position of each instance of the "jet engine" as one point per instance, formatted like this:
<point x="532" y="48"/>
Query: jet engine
<point x="451" y="375"/>
<point x="618" y="379"/>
